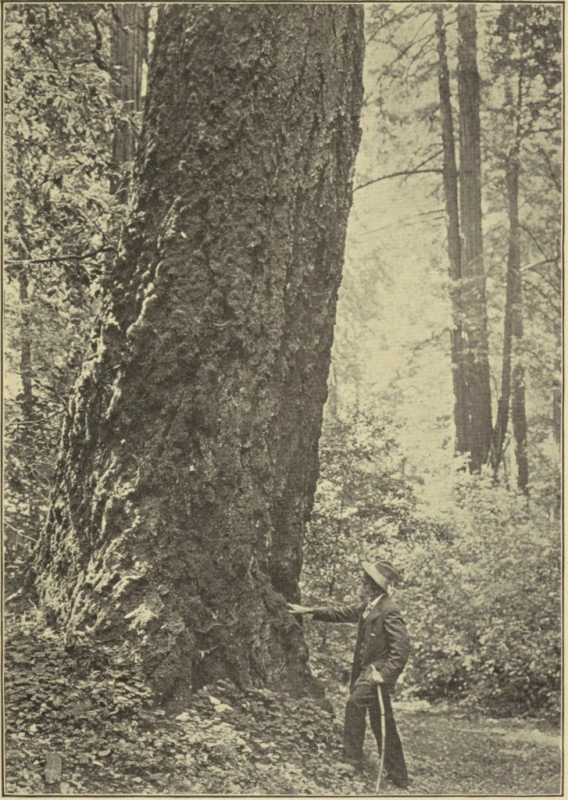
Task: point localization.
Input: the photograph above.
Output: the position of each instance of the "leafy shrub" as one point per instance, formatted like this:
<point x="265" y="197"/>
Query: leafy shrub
<point x="364" y="500"/>
<point x="480" y="586"/>
<point x="485" y="607"/>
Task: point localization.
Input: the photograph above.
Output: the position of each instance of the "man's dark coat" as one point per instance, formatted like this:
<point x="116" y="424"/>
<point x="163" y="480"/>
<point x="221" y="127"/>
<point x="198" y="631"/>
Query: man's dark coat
<point x="382" y="640"/>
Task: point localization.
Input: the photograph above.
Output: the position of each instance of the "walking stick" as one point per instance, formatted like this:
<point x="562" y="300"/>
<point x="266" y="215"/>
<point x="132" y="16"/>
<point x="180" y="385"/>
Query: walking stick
<point x="383" y="736"/>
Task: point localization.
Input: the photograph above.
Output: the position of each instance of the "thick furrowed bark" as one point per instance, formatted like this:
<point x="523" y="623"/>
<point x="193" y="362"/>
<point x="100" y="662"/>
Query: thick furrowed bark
<point x="189" y="457"/>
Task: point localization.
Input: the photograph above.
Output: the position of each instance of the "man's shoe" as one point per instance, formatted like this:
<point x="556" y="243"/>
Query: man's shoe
<point x="399" y="784"/>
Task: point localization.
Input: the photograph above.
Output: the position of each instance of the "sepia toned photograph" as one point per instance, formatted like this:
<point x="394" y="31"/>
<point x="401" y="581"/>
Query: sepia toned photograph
<point x="282" y="399"/>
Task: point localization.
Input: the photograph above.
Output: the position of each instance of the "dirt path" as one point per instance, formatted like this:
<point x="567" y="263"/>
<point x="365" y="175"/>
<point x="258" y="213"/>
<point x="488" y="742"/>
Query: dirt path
<point x="453" y="753"/>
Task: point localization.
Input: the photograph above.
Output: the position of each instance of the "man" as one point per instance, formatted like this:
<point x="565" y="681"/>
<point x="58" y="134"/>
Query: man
<point x="381" y="653"/>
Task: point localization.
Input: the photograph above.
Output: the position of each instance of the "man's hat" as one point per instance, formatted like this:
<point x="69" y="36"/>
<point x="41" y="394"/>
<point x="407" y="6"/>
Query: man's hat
<point x="382" y="572"/>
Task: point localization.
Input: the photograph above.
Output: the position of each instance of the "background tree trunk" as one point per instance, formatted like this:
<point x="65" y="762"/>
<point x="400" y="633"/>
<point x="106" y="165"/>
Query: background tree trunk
<point x="27" y="403"/>
<point x="476" y="345"/>
<point x="128" y="52"/>
<point x="451" y="194"/>
<point x="519" y="418"/>
<point x="189" y="457"/>
<point x="557" y="409"/>
<point x="512" y="378"/>
<point x="518" y="409"/>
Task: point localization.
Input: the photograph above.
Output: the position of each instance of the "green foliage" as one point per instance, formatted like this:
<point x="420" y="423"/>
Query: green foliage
<point x="485" y="607"/>
<point x="364" y="501"/>
<point x="61" y="229"/>
<point x="56" y="333"/>
<point x="59" y="115"/>
<point x="528" y="38"/>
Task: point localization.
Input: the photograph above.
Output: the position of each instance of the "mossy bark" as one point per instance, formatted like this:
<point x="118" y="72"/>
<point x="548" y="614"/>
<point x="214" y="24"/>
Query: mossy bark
<point x="189" y="456"/>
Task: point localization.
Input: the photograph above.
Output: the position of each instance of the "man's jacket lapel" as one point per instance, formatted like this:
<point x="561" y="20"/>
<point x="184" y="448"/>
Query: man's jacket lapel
<point x="375" y="611"/>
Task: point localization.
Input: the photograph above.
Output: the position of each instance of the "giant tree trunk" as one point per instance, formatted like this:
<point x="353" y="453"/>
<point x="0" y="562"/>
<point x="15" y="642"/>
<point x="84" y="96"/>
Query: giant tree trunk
<point x="451" y="195"/>
<point x="476" y="347"/>
<point x="189" y="458"/>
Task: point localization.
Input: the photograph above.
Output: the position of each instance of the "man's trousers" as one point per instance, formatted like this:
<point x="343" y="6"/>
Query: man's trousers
<point x="363" y="697"/>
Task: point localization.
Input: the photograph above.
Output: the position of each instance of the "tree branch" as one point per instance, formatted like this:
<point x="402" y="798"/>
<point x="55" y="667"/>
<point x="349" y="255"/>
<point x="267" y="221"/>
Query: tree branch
<point x="533" y="238"/>
<point x="386" y="24"/>
<point x="551" y="173"/>
<point x="543" y="294"/>
<point x="396" y="175"/>
<point x="404" y="219"/>
<point x="96" y="52"/>
<point x="538" y="264"/>
<point x="93" y="253"/>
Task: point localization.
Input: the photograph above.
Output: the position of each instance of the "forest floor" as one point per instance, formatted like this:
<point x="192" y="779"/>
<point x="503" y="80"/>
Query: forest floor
<point x="450" y="752"/>
<point x="100" y="734"/>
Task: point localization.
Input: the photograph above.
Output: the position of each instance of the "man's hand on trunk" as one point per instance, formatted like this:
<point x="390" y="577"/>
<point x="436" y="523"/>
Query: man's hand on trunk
<point x="295" y="609"/>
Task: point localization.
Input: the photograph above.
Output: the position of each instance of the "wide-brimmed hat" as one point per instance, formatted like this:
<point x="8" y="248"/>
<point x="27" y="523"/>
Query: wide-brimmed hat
<point x="382" y="572"/>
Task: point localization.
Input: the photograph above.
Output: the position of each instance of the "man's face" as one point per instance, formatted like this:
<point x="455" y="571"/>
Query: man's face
<point x="368" y="588"/>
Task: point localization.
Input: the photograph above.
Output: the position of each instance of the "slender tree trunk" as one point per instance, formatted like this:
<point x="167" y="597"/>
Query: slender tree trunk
<point x="557" y="409"/>
<point x="518" y="410"/>
<point x="27" y="403"/>
<point x="128" y="51"/>
<point x="519" y="416"/>
<point x="512" y="377"/>
<point x="189" y="460"/>
<point x="512" y="380"/>
<point x="511" y="311"/>
<point x="26" y="370"/>
<point x="332" y="398"/>
<point x="450" y="178"/>
<point x="476" y="346"/>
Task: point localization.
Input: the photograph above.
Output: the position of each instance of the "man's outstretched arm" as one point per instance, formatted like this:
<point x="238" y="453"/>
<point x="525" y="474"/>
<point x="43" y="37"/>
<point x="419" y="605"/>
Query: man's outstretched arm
<point x="347" y="612"/>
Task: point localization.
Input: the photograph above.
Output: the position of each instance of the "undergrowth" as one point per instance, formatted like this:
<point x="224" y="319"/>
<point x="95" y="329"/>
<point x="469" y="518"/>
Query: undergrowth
<point x="112" y="739"/>
<point x="98" y="715"/>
